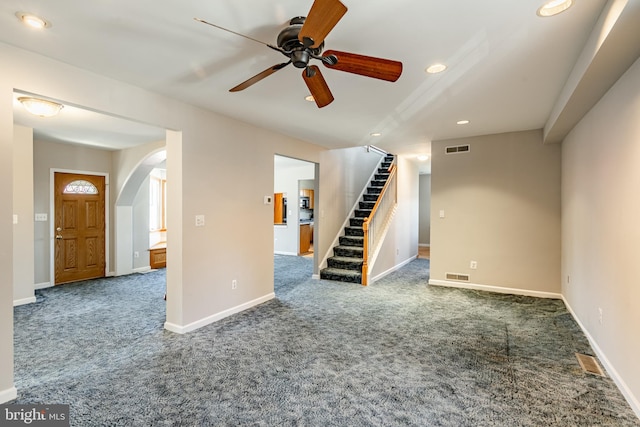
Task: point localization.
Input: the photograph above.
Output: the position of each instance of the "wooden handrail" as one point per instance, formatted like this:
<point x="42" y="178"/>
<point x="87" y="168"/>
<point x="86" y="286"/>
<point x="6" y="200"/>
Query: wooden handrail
<point x="365" y="227"/>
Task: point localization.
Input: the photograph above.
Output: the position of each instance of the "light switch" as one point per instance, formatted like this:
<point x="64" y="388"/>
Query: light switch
<point x="199" y="220"/>
<point x="441" y="213"/>
<point x="41" y="217"/>
<point x="268" y="200"/>
<point x="15" y="218"/>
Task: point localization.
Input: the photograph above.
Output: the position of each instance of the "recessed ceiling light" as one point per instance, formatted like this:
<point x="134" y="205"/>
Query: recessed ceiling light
<point x="33" y="21"/>
<point x="554" y="7"/>
<point x="463" y="122"/>
<point x="423" y="157"/>
<point x="309" y="98"/>
<point x="376" y="134"/>
<point x="40" y="107"/>
<point x="436" y="68"/>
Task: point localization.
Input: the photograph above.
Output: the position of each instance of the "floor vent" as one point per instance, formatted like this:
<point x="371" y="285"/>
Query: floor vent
<point x="589" y="364"/>
<point x="459" y="277"/>
<point x="458" y="149"/>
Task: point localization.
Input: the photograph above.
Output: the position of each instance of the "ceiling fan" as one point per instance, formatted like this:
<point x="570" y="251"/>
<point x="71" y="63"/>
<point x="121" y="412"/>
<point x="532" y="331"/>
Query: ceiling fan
<point x="303" y="40"/>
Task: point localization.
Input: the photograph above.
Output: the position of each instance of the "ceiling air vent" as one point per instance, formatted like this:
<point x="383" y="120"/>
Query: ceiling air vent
<point x="458" y="277"/>
<point x="458" y="149"/>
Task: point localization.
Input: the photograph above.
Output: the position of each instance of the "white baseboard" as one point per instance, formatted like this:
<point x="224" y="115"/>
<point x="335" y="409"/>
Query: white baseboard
<point x="391" y="270"/>
<point x="285" y="253"/>
<point x="499" y="289"/>
<point x="23" y="301"/>
<point x="8" y="395"/>
<point x="218" y="316"/>
<point x="42" y="285"/>
<point x="315" y="276"/>
<point x="424" y="245"/>
<point x="633" y="401"/>
<point x="142" y="269"/>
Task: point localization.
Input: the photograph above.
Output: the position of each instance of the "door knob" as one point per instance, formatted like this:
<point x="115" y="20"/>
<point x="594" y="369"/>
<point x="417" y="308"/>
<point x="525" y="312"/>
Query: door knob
<point x="59" y="236"/>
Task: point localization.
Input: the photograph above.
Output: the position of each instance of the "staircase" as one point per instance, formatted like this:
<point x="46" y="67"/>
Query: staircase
<point x="346" y="263"/>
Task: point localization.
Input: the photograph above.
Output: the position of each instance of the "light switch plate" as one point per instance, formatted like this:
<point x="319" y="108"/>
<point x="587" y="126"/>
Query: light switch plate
<point x="268" y="200"/>
<point x="15" y="218"/>
<point x="41" y="217"/>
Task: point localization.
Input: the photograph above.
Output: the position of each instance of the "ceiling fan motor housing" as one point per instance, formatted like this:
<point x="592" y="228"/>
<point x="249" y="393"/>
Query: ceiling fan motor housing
<point x="288" y="41"/>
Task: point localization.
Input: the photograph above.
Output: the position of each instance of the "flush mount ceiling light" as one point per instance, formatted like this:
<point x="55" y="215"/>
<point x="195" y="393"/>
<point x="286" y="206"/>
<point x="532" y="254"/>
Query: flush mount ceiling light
<point x="32" y="20"/>
<point x="376" y="134"/>
<point x="436" y="68"/>
<point x="423" y="157"/>
<point x="40" y="107"/>
<point x="463" y="122"/>
<point x="554" y="7"/>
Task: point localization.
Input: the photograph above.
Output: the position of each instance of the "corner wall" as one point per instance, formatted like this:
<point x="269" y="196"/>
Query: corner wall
<point x="601" y="231"/>
<point x="501" y="206"/>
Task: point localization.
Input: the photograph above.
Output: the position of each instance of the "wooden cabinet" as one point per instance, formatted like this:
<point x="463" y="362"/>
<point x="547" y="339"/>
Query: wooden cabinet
<point x="305" y="238"/>
<point x="306" y="192"/>
<point x="278" y="205"/>
<point x="158" y="256"/>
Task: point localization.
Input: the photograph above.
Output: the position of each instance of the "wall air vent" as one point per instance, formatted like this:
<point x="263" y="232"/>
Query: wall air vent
<point x="458" y="149"/>
<point x="458" y="277"/>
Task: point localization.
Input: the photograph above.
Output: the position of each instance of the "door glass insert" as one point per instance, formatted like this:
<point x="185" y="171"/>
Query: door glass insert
<point x="80" y="186"/>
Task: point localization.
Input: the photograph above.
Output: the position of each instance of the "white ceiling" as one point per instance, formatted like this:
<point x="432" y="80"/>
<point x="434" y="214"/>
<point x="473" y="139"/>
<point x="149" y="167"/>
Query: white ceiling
<point x="506" y="65"/>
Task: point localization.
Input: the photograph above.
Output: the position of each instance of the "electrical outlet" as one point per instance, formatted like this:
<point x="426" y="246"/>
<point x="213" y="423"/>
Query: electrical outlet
<point x="600" y="315"/>
<point x="199" y="220"/>
<point x="234" y="284"/>
<point x="136" y="254"/>
<point x="473" y="265"/>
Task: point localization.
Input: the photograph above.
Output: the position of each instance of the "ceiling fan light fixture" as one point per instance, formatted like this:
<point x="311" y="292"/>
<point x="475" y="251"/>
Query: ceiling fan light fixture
<point x="309" y="98"/>
<point x="554" y="7"/>
<point x="40" y="107"/>
<point x="32" y="20"/>
<point x="436" y="68"/>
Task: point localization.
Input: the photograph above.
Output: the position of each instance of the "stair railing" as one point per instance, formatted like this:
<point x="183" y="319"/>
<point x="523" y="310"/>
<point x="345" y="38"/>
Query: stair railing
<point x="374" y="225"/>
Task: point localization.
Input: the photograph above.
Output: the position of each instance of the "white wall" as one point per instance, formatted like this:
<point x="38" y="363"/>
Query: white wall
<point x="501" y="202"/>
<point x="48" y="155"/>
<point x="7" y="389"/>
<point x="23" y="246"/>
<point x="140" y="229"/>
<point x="601" y="231"/>
<point x="424" y="210"/>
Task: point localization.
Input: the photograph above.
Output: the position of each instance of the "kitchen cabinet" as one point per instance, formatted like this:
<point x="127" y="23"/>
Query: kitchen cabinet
<point x="305" y="239"/>
<point x="278" y="208"/>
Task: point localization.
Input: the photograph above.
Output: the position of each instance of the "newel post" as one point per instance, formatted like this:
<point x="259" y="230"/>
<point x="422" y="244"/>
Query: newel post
<point x="365" y="253"/>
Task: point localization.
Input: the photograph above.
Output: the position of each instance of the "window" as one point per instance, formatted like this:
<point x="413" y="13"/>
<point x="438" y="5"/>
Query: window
<point x="80" y="186"/>
<point x="157" y="200"/>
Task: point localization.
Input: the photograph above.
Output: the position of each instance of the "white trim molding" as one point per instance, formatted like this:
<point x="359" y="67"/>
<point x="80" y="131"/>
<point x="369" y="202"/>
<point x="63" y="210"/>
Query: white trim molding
<point x="633" y="401"/>
<point x="42" y="285"/>
<point x="8" y="395"/>
<point x="391" y="270"/>
<point x="23" y="301"/>
<point x="499" y="289"/>
<point x="218" y="316"/>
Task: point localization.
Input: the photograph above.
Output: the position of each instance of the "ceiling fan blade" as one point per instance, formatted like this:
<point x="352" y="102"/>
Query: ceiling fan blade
<point x="323" y="16"/>
<point x="317" y="86"/>
<point x="378" y="68"/>
<point x="255" y="79"/>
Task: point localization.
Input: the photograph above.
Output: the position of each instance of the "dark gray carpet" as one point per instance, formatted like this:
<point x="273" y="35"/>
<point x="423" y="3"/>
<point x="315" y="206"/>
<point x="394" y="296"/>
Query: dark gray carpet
<point x="321" y="354"/>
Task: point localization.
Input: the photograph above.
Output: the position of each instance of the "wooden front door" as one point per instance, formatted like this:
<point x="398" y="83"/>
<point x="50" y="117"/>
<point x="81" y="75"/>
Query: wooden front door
<point x="79" y="227"/>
